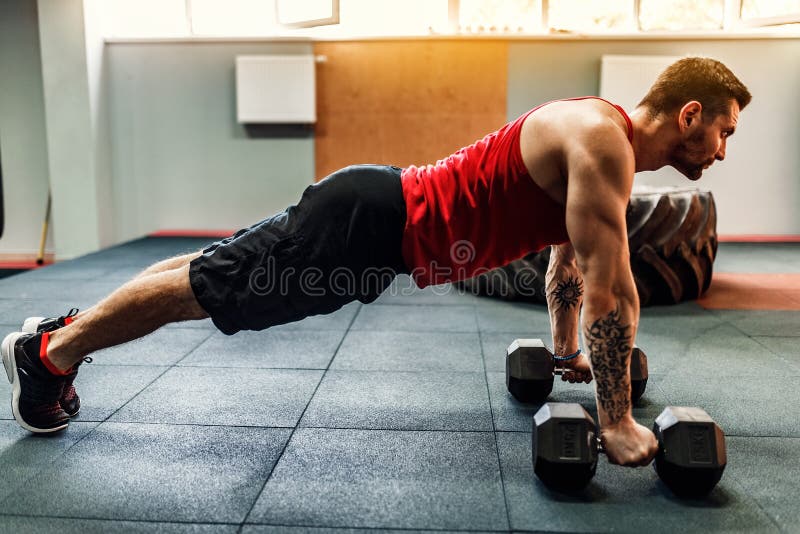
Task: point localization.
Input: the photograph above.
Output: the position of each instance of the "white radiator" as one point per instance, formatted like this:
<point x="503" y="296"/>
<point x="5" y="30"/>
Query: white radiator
<point x="275" y="89"/>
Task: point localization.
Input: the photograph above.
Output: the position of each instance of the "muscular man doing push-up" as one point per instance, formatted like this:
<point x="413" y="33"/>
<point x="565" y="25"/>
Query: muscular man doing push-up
<point x="559" y="175"/>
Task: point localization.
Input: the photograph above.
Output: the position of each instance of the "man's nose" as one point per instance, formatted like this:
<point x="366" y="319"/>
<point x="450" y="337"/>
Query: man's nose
<point x="720" y="155"/>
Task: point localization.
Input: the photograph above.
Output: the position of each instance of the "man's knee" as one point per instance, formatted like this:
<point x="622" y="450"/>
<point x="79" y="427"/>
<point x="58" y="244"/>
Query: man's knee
<point x="180" y="288"/>
<point x="169" y="264"/>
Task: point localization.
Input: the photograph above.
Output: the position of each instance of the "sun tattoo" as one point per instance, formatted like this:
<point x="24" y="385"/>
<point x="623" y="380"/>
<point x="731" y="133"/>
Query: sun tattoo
<point x="568" y="292"/>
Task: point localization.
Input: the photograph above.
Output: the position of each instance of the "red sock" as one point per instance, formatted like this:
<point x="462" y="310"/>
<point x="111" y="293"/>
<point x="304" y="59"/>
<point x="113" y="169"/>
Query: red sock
<point x="46" y="360"/>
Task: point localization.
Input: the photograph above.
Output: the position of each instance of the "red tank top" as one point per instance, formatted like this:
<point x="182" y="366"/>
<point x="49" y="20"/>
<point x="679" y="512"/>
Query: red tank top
<point x="478" y="209"/>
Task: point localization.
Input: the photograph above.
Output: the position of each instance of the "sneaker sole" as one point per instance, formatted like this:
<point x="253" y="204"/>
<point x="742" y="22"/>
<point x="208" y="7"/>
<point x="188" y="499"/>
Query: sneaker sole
<point x="10" y="363"/>
<point x="31" y="324"/>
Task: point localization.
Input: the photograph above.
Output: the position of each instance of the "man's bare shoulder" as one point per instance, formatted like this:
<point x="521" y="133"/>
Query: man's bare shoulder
<point x="589" y="119"/>
<point x="566" y="137"/>
<point x="600" y="168"/>
<point x="589" y="124"/>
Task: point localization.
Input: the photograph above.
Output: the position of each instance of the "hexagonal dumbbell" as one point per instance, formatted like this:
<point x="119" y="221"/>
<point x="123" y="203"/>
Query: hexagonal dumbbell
<point x="530" y="371"/>
<point x="691" y="451"/>
<point x="564" y="446"/>
<point x="691" y="448"/>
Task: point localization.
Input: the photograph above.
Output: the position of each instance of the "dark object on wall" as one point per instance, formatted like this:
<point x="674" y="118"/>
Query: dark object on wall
<point x="672" y="235"/>
<point x="278" y="131"/>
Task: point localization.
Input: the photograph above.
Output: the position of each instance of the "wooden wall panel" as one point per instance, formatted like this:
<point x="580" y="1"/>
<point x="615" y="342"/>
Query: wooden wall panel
<point x="406" y="102"/>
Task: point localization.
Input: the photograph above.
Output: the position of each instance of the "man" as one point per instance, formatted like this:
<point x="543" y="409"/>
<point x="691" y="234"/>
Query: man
<point x="560" y="175"/>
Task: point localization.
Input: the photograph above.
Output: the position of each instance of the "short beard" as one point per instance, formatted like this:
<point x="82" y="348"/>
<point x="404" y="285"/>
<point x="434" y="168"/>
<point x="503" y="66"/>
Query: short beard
<point x="683" y="160"/>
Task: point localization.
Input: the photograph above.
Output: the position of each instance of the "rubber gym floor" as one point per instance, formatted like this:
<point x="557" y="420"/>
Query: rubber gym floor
<point x="392" y="415"/>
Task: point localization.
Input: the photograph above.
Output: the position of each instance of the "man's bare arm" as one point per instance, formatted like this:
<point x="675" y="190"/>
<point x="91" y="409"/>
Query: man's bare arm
<point x="601" y="167"/>
<point x="564" y="291"/>
<point x="599" y="185"/>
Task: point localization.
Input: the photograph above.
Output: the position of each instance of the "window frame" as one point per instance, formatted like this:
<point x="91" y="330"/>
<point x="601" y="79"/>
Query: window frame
<point x="731" y="19"/>
<point x="733" y="26"/>
<point x="312" y="23"/>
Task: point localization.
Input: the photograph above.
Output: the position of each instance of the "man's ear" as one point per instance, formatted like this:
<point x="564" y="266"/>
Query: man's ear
<point x="689" y="114"/>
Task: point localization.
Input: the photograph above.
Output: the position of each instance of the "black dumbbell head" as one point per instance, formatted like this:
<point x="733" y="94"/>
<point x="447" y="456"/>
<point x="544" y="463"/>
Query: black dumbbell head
<point x="638" y="373"/>
<point x="691" y="455"/>
<point x="529" y="370"/>
<point x="564" y="446"/>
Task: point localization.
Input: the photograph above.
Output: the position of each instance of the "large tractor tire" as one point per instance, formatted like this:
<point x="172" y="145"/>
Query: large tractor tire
<point x="672" y="236"/>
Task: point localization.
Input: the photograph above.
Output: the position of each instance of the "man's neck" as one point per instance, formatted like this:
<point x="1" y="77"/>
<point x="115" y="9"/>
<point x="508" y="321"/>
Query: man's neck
<point x="652" y="139"/>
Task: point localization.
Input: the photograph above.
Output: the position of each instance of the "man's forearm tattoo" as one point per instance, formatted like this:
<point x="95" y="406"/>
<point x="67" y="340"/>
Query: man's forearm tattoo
<point x="609" y="343"/>
<point x="568" y="292"/>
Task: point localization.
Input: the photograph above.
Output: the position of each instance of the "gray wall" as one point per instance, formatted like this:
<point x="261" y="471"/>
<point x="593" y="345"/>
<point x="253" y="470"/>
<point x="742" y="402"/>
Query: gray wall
<point x="180" y="160"/>
<point x="757" y="187"/>
<point x="71" y="51"/>
<point x="23" y="137"/>
<point x="164" y="145"/>
<point x="97" y="74"/>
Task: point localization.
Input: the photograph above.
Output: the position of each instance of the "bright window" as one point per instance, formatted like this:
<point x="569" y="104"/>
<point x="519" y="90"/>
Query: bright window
<point x="397" y="18"/>
<point x="500" y="16"/>
<point x="232" y="18"/>
<point x="771" y="11"/>
<point x="143" y="18"/>
<point x="590" y="15"/>
<point x="681" y="14"/>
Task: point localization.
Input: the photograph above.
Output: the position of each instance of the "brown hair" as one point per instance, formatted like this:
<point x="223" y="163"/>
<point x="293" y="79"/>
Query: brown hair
<point x="696" y="78"/>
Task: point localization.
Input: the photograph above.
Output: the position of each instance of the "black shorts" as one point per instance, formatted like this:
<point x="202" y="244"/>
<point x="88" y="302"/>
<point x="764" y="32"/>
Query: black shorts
<point x="340" y="243"/>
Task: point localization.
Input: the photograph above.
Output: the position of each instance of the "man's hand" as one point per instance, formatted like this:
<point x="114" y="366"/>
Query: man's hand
<point x="579" y="370"/>
<point x="628" y="443"/>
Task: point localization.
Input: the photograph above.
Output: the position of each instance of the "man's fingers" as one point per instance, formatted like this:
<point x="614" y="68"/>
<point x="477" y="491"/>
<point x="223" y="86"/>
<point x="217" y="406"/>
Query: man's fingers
<point x="576" y="376"/>
<point x="631" y="460"/>
<point x="639" y="462"/>
<point x="653" y="453"/>
<point x="646" y="459"/>
<point x="625" y="461"/>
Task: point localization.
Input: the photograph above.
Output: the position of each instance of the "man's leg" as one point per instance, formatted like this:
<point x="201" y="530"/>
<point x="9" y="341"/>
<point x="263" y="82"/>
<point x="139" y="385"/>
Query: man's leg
<point x="134" y="310"/>
<point x="367" y="199"/>
<point x="164" y="265"/>
<point x="70" y="401"/>
<point x="169" y="264"/>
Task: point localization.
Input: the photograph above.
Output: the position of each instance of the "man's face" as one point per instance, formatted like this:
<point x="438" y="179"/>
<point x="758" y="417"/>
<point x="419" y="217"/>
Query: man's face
<point x="704" y="142"/>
